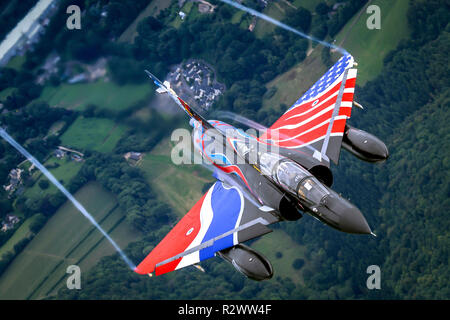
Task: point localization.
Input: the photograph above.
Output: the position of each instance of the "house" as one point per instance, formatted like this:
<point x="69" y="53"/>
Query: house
<point x="60" y="153"/>
<point x="77" y="78"/>
<point x="14" y="179"/>
<point x="134" y="156"/>
<point x="76" y="157"/>
<point x="9" y="222"/>
<point x="337" y="5"/>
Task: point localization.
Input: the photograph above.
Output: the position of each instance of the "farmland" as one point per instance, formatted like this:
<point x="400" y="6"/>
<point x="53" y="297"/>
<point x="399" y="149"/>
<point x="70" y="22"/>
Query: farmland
<point x="105" y="95"/>
<point x="21" y="233"/>
<point x="274" y="10"/>
<point x="62" y="169"/>
<point x="362" y="42"/>
<point x="178" y="185"/>
<point x="97" y="134"/>
<point x="67" y="238"/>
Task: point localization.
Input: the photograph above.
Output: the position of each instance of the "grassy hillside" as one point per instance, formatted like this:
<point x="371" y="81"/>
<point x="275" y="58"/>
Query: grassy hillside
<point x="362" y="42"/>
<point x="356" y="39"/>
<point x="292" y="84"/>
<point x="279" y="242"/>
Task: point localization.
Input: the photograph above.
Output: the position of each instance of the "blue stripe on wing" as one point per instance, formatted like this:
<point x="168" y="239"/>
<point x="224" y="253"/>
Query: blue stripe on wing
<point x="226" y="205"/>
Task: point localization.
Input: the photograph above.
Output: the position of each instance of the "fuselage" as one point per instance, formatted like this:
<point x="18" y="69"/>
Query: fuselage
<point x="252" y="162"/>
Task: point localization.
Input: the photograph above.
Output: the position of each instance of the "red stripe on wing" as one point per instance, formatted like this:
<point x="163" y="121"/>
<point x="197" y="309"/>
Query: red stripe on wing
<point x="174" y="243"/>
<point x="314" y="135"/>
<point x="284" y="137"/>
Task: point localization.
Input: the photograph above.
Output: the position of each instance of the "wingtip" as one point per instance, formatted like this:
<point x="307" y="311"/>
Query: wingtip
<point x="143" y="270"/>
<point x="373" y="234"/>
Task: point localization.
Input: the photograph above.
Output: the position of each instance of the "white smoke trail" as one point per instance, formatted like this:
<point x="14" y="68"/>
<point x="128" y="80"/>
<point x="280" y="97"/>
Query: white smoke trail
<point x="241" y="119"/>
<point x="282" y="25"/>
<point x="78" y="205"/>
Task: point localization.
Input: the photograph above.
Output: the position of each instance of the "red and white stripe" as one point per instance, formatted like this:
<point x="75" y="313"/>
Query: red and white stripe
<point x="308" y="122"/>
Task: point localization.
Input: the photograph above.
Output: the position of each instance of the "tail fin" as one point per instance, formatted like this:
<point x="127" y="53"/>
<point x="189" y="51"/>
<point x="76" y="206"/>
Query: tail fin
<point x="317" y="120"/>
<point x="164" y="87"/>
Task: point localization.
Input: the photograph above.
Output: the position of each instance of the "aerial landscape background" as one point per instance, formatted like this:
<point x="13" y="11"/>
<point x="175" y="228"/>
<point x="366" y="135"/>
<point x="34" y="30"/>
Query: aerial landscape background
<point x="80" y="102"/>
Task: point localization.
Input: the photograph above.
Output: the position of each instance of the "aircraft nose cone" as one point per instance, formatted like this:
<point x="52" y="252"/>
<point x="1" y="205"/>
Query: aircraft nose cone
<point x="346" y="215"/>
<point x="353" y="221"/>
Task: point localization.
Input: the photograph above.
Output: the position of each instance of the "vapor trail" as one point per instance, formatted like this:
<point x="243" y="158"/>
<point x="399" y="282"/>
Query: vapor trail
<point x="282" y="25"/>
<point x="241" y="119"/>
<point x="78" y="205"/>
<point x="254" y="125"/>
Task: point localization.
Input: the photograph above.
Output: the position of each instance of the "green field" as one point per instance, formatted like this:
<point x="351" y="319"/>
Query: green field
<point x="307" y="4"/>
<point x="16" y="62"/>
<point x="21" y="233"/>
<point x="359" y="41"/>
<point x="6" y="92"/>
<point x="187" y="9"/>
<point x="152" y="9"/>
<point x="280" y="241"/>
<point x="105" y="95"/>
<point x="275" y="10"/>
<point x="178" y="185"/>
<point x="362" y="42"/>
<point x="67" y="238"/>
<point x="97" y="134"/>
<point x="237" y="17"/>
<point x="293" y="83"/>
<point x="64" y="173"/>
<point x="56" y="128"/>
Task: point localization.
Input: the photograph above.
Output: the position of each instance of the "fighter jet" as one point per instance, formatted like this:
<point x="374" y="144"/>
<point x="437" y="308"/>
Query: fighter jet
<point x="276" y="176"/>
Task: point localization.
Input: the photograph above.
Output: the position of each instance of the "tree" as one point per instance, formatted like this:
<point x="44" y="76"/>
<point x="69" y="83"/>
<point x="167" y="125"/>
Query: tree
<point x="43" y="184"/>
<point x="299" y="19"/>
<point x="38" y="223"/>
<point x="298" y="263"/>
<point x="322" y="8"/>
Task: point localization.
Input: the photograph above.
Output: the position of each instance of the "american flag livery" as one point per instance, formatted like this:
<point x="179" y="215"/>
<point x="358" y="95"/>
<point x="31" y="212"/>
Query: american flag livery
<point x="318" y="118"/>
